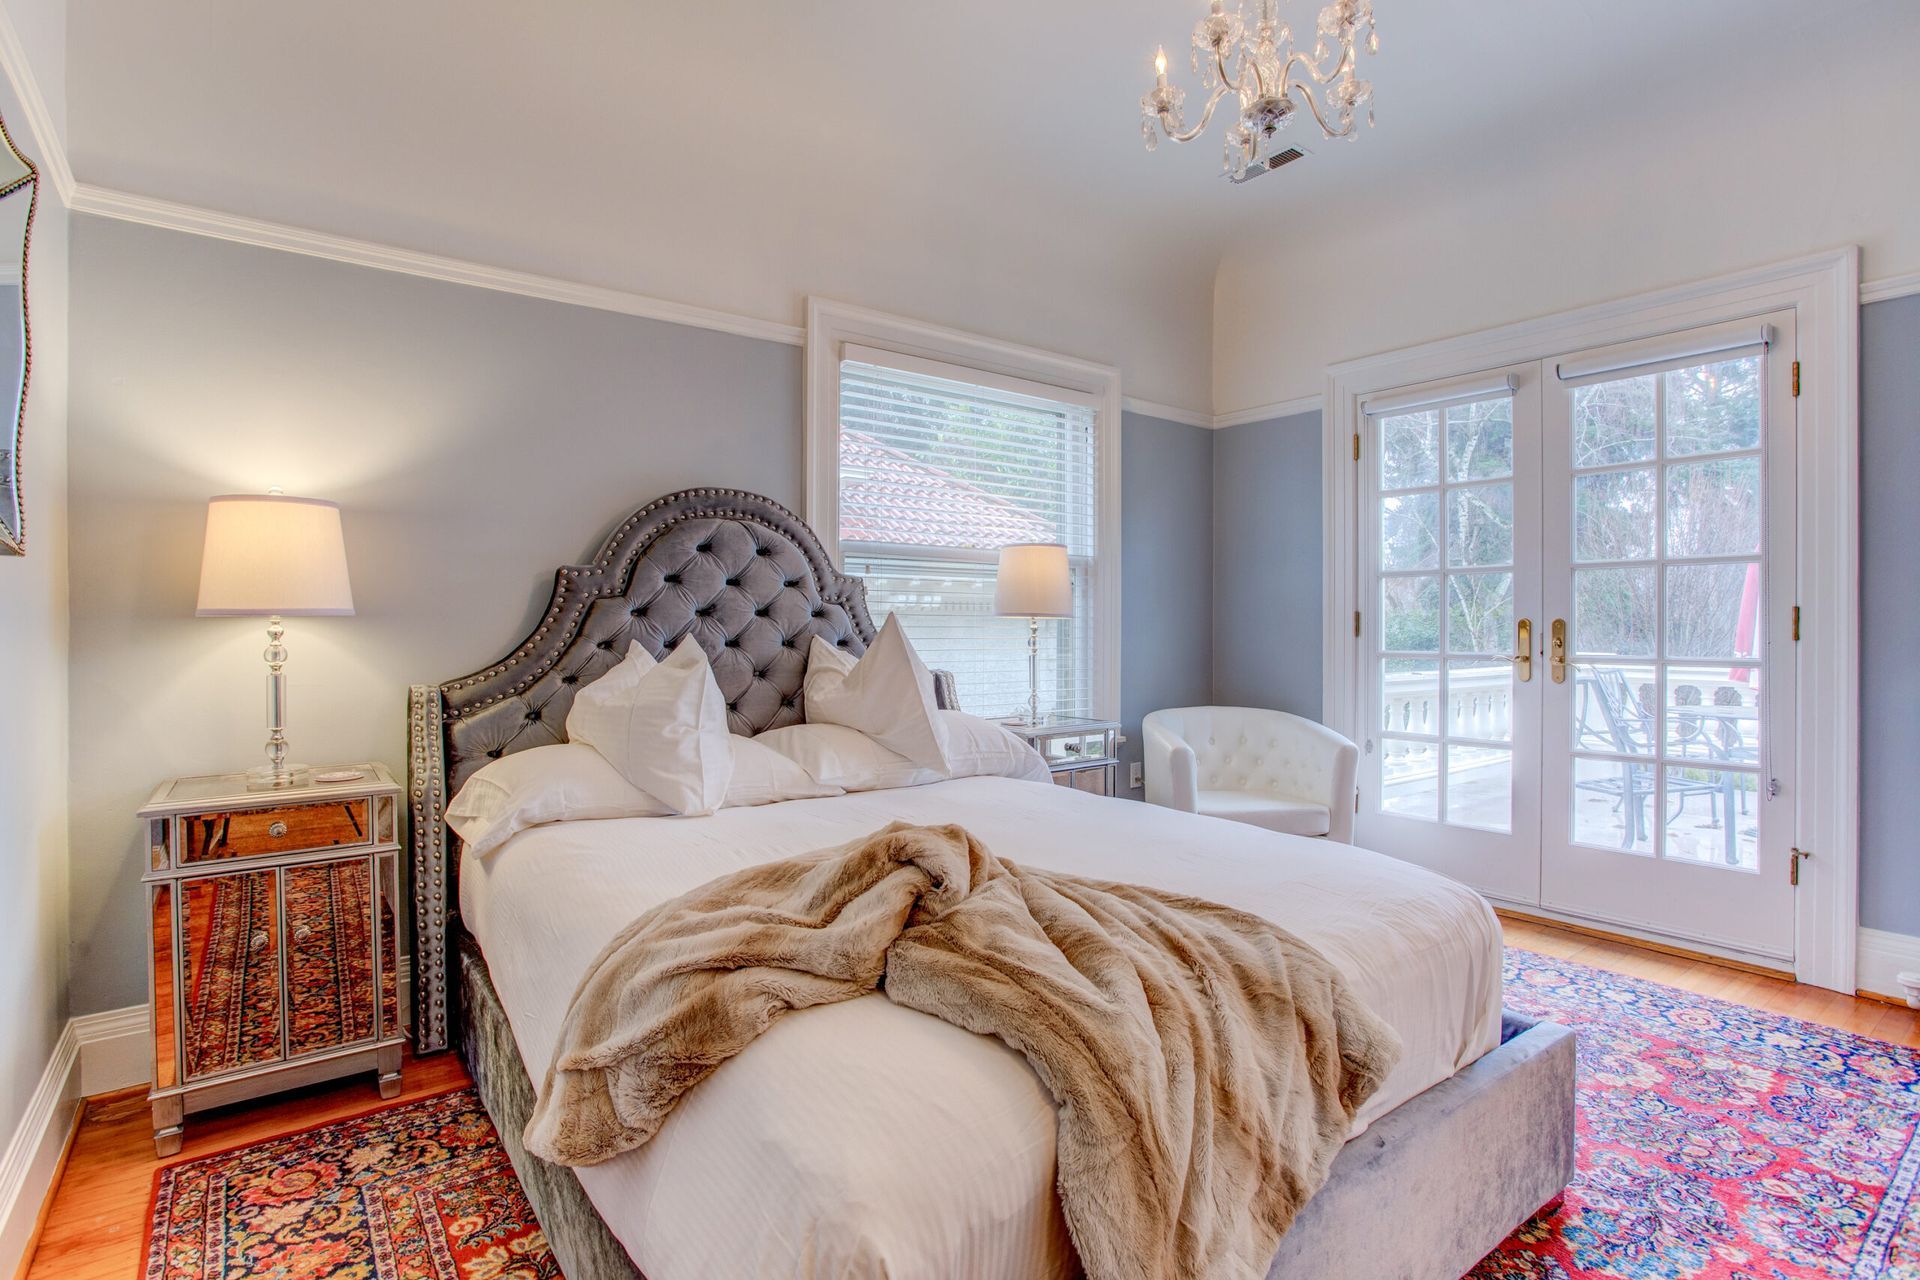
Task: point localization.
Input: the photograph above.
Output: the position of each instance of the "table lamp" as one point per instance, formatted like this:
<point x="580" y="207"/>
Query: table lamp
<point x="271" y="556"/>
<point x="1033" y="583"/>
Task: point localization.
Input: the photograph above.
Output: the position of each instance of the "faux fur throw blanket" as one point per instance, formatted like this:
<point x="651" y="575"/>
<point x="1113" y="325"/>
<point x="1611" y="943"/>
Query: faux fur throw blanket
<point x="1206" y="1065"/>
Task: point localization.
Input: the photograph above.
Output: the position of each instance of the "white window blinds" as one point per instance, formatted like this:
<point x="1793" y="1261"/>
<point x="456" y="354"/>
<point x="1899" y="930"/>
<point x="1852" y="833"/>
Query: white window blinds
<point x="936" y="474"/>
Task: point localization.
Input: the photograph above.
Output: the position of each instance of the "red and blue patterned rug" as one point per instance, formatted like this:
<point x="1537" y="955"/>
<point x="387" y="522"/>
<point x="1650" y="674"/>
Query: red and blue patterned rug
<point x="1717" y="1142"/>
<point x="420" y="1191"/>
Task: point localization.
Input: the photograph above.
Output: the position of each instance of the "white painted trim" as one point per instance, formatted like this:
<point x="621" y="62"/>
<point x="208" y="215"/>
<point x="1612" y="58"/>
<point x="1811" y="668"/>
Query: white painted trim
<point x="1886" y="287"/>
<point x="116" y="1050"/>
<point x="1171" y="413"/>
<point x="832" y="325"/>
<point x="1883" y="958"/>
<point x="432" y="266"/>
<point x="26" y="87"/>
<point x="1823" y="289"/>
<point x="1263" y="412"/>
<point x="32" y="1154"/>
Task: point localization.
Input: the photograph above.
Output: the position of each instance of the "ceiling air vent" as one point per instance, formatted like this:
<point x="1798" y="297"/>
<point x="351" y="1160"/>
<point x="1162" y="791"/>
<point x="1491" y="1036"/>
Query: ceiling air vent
<point x="1271" y="163"/>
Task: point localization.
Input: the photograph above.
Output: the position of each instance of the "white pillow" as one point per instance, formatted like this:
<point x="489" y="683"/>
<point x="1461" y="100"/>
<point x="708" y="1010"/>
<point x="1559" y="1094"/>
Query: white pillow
<point x="836" y="756"/>
<point x="663" y="725"/>
<point x="979" y="746"/>
<point x="762" y="775"/>
<point x="540" y="785"/>
<point x="887" y="695"/>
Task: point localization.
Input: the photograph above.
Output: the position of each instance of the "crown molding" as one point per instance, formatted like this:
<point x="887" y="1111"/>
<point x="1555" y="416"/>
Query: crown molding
<point x="1888" y="287"/>
<point x="26" y="87"/>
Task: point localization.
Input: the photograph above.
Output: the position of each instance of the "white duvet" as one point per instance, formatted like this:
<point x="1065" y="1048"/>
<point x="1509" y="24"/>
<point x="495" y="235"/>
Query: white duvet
<point x="868" y="1140"/>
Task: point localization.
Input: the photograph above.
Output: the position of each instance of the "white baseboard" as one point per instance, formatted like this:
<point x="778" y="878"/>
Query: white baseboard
<point x="33" y="1154"/>
<point x="116" y="1047"/>
<point x="1884" y="956"/>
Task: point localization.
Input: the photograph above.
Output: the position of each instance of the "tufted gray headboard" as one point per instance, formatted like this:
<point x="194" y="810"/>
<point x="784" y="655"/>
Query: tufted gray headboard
<point x="740" y="573"/>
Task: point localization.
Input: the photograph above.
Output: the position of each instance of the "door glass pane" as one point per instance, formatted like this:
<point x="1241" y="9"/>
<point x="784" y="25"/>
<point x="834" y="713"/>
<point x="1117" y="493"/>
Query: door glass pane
<point x="1410" y="450"/>
<point x="1713" y="714"/>
<point x="1713" y="508"/>
<point x="1714" y="408"/>
<point x="1613" y="515"/>
<point x="1480" y="699"/>
<point x="1613" y="708"/>
<point x="1410" y="532"/>
<point x="1411" y="610"/>
<point x="1480" y="613"/>
<point x="1713" y="817"/>
<point x="1479" y="786"/>
<point x="1613" y="805"/>
<point x="1613" y="611"/>
<point x="1480" y="440"/>
<point x="1480" y="525"/>
<point x="1410" y="695"/>
<point x="1713" y="610"/>
<point x="1613" y="422"/>
<point x="1410" y="779"/>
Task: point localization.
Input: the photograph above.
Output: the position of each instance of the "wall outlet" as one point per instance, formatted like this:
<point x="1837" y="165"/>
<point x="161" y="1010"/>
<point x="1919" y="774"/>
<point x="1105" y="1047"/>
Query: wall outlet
<point x="1134" y="779"/>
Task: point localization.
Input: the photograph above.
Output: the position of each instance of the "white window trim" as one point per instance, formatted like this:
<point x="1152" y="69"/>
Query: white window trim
<point x="833" y="326"/>
<point x="1824" y="291"/>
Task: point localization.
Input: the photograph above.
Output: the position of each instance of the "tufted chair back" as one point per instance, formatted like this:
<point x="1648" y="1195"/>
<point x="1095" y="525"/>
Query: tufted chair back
<point x="1193" y="750"/>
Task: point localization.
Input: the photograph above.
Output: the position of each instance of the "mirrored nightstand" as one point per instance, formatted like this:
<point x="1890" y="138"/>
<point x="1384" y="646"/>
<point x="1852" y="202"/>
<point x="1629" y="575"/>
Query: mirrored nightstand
<point x="1083" y="754"/>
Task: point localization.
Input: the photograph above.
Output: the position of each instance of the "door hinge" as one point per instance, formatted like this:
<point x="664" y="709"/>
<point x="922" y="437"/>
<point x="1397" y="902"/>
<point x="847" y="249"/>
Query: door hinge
<point x="1356" y="437"/>
<point x="1793" y="863"/>
<point x="1796" y="624"/>
<point x="1356" y="801"/>
<point x="1796" y="379"/>
<point x="1356" y="624"/>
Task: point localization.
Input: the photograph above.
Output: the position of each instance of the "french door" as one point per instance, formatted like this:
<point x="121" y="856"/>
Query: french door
<point x="1579" y="695"/>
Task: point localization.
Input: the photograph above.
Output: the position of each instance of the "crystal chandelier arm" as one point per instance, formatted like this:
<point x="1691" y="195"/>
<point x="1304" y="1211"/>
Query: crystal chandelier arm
<point x="1306" y="95"/>
<point x="1347" y="62"/>
<point x="1188" y="135"/>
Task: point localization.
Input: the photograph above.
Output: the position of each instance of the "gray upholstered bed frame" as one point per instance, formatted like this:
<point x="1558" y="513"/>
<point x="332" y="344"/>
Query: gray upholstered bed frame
<point x="1426" y="1192"/>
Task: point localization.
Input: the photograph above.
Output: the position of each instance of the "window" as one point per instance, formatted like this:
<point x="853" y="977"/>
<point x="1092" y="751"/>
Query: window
<point x="925" y="468"/>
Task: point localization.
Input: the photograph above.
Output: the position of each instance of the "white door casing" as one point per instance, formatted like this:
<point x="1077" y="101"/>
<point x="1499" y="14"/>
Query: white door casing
<point x="1822" y="294"/>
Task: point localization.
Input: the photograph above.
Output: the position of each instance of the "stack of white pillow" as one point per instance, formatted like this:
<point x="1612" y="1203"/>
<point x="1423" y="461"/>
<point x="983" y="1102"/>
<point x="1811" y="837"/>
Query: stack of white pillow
<point x="650" y="739"/>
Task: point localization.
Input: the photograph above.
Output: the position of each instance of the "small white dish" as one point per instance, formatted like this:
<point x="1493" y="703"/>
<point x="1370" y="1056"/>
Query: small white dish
<point x="340" y="775"/>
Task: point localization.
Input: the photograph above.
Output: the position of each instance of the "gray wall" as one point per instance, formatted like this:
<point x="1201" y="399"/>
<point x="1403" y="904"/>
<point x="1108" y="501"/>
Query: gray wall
<point x="1889" y="613"/>
<point x="1266" y="564"/>
<point x="475" y="439"/>
<point x="1267" y="544"/>
<point x="1166" y="600"/>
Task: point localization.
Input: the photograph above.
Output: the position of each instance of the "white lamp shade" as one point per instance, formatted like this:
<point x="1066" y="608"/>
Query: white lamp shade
<point x="267" y="554"/>
<point x="1033" y="582"/>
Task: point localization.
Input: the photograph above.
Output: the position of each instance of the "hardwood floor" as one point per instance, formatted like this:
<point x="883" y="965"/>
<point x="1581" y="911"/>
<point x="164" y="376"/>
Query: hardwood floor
<point x="95" y="1227"/>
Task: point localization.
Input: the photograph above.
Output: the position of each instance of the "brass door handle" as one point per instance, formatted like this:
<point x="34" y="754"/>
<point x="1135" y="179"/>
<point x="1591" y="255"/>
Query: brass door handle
<point x="1557" y="654"/>
<point x="1523" y="641"/>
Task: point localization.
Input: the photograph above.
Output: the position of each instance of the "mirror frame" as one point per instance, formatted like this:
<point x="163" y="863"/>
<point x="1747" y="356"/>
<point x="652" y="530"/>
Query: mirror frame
<point x="13" y="525"/>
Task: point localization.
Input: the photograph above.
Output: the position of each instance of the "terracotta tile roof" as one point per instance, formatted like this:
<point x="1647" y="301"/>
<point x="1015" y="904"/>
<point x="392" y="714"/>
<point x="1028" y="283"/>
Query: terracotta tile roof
<point x="888" y="496"/>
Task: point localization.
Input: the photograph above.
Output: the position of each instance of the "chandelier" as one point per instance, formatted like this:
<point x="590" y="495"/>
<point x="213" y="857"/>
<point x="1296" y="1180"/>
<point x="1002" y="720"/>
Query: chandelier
<point x="1260" y="66"/>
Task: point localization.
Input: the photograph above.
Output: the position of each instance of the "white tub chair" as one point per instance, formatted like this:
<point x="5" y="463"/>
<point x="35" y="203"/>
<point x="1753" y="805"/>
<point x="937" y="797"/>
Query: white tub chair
<point x="1249" y="764"/>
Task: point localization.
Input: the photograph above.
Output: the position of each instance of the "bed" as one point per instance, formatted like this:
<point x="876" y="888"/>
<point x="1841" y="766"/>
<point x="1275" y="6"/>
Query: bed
<point x="797" y="1157"/>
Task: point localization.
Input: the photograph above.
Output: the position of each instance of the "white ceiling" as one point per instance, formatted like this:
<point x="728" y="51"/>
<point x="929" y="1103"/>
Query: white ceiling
<point x="697" y="151"/>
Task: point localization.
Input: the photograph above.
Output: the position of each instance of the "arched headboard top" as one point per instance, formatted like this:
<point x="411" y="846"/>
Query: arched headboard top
<point x="745" y="577"/>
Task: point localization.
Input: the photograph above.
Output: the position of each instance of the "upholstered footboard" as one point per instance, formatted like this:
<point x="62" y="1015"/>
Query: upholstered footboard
<point x="1435" y="1184"/>
<point x="1427" y="1191"/>
<point x="581" y="1243"/>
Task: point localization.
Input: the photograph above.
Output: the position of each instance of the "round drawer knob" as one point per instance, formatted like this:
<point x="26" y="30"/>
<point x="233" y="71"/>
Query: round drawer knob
<point x="257" y="942"/>
<point x="301" y="933"/>
<point x="277" y="829"/>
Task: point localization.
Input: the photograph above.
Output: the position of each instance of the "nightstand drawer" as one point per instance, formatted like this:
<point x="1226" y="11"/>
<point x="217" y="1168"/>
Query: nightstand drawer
<point x="293" y="828"/>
